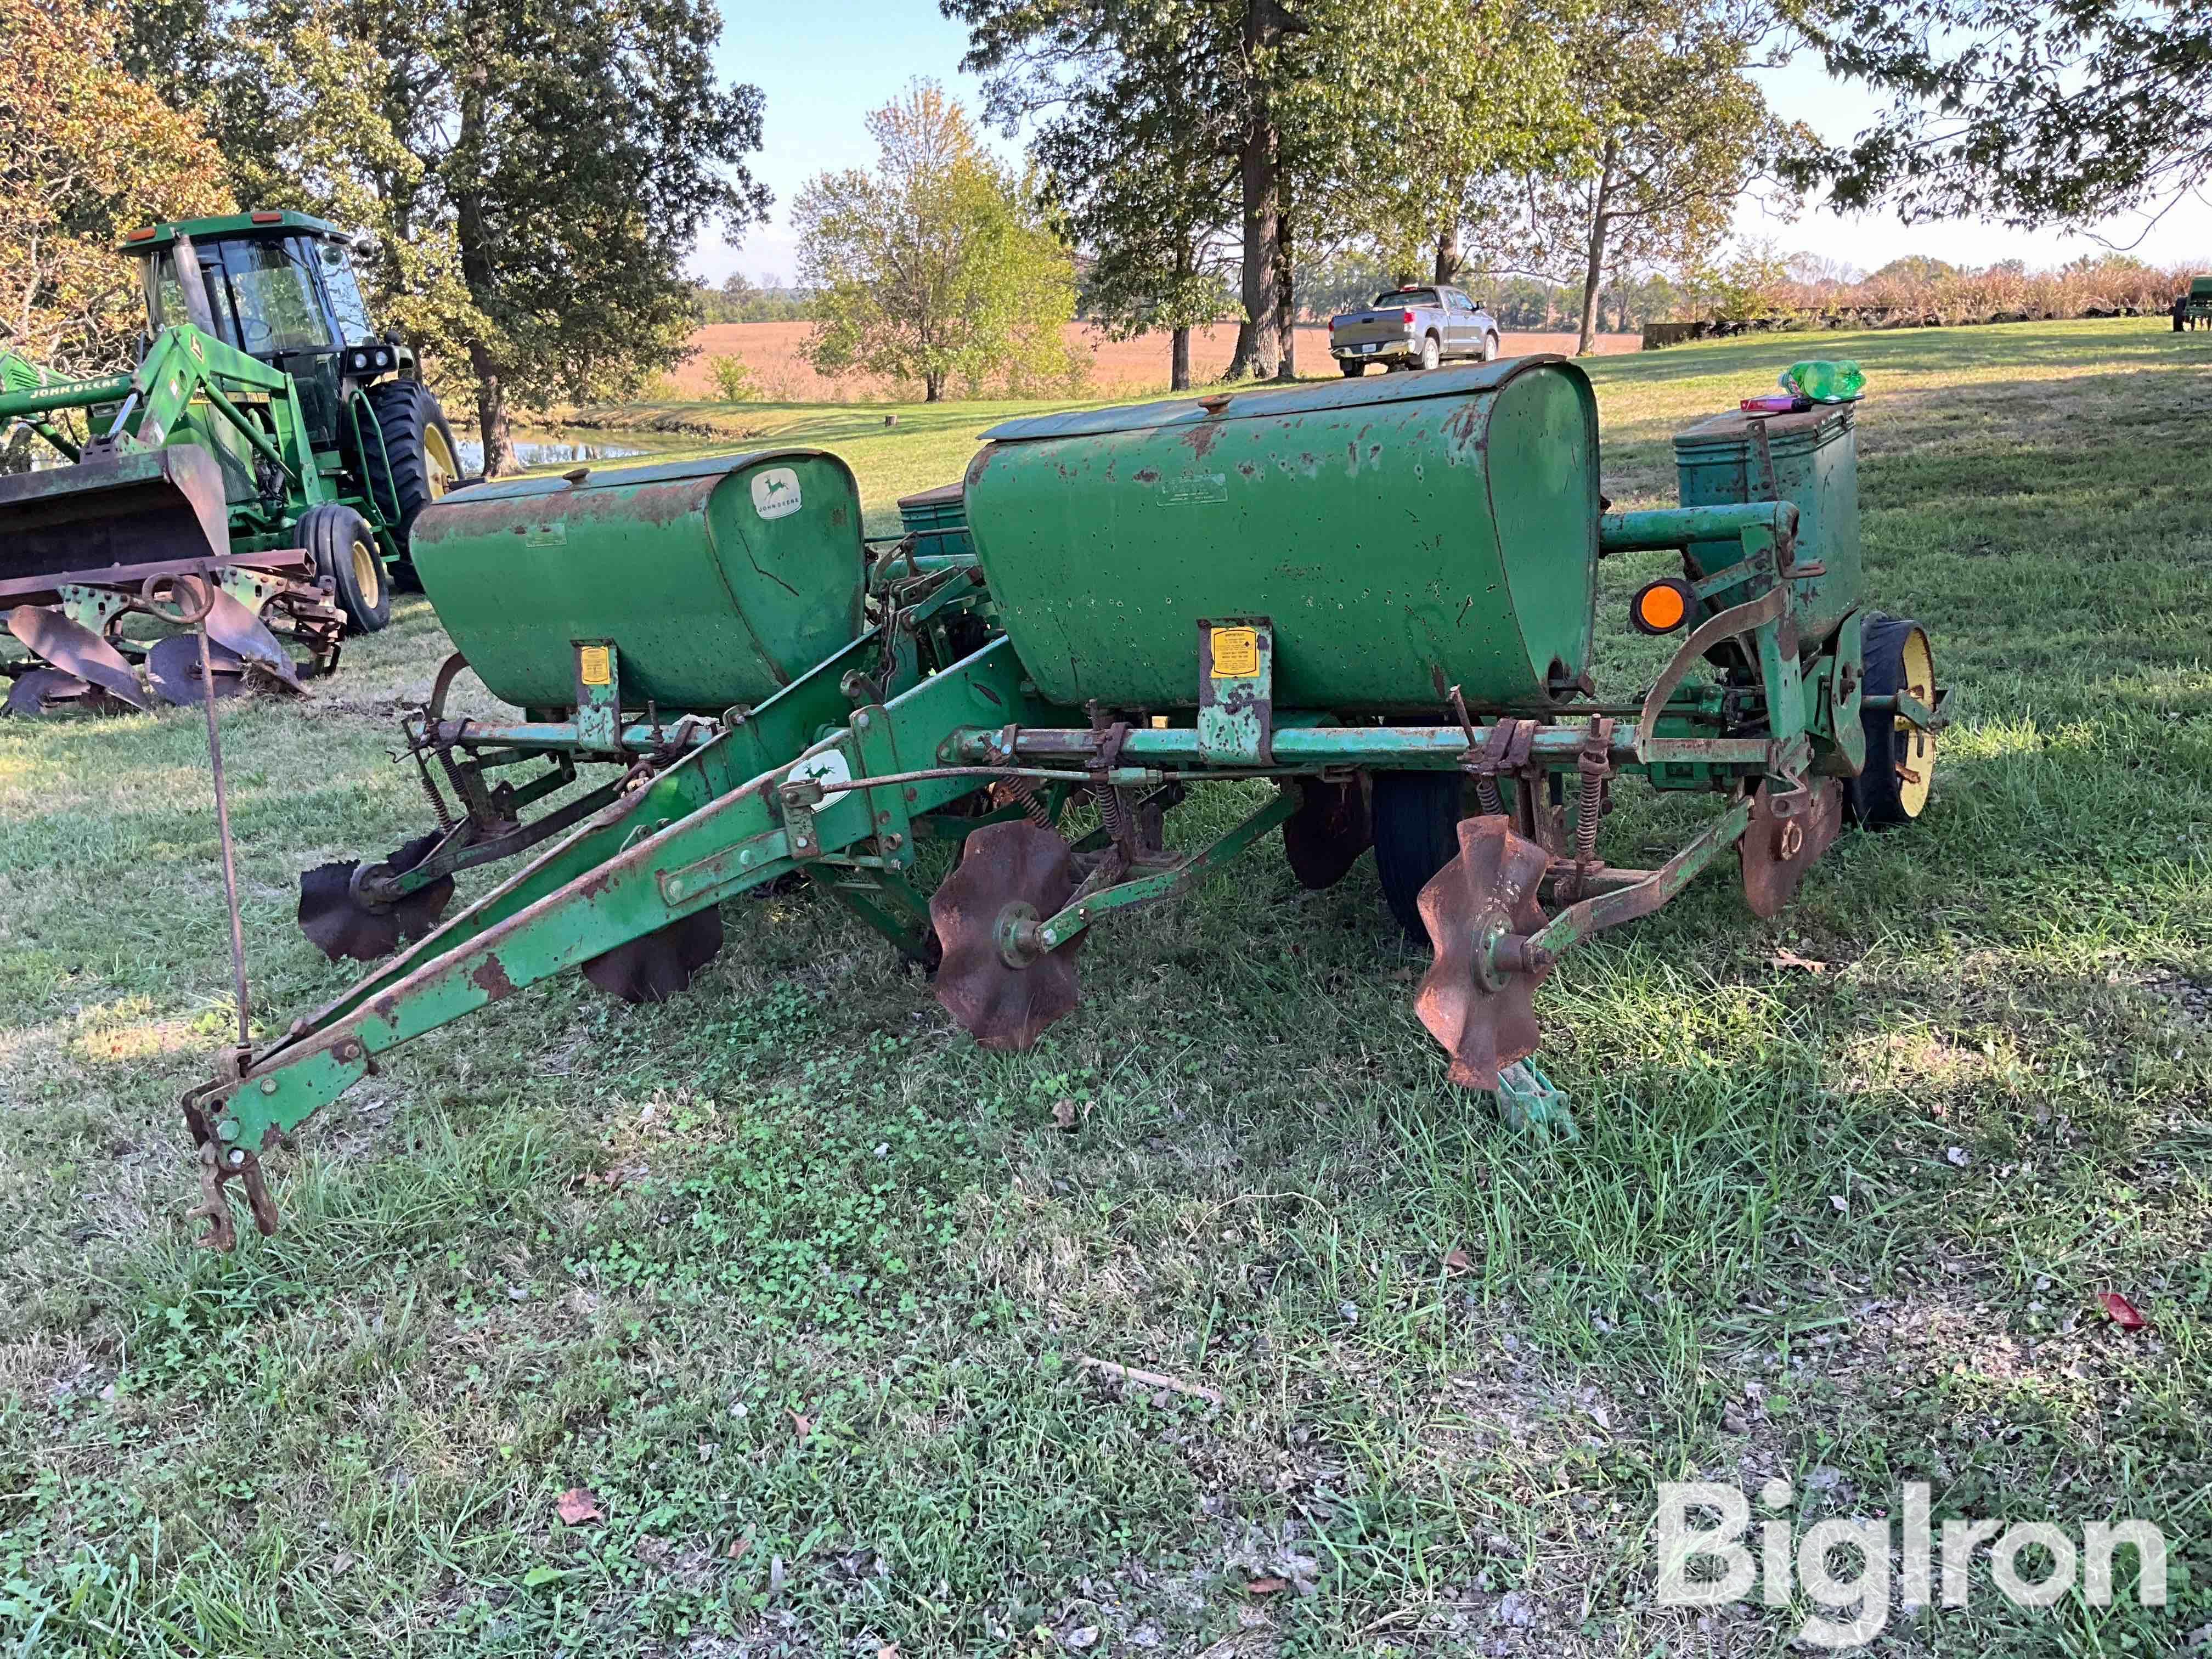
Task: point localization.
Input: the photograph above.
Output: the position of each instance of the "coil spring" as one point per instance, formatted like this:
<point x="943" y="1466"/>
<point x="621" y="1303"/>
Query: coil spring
<point x="1022" y="791"/>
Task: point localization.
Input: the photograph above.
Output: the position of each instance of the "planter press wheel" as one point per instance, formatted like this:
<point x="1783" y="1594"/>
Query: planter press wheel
<point x="1900" y="758"/>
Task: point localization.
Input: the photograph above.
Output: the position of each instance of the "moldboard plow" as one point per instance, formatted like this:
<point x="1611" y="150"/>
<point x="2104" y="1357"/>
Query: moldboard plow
<point x="1378" y="597"/>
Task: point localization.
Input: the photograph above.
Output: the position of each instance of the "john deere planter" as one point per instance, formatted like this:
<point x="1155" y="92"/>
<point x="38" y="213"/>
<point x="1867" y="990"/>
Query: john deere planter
<point x="1377" y="596"/>
<point x="267" y="439"/>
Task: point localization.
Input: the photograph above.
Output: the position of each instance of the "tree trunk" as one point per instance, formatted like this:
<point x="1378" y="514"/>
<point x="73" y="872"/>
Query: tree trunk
<point x="1179" y="360"/>
<point x="491" y="411"/>
<point x="477" y="273"/>
<point x="1449" y="258"/>
<point x="932" y="388"/>
<point x="1287" y="310"/>
<point x="1594" y="268"/>
<point x="1259" y="347"/>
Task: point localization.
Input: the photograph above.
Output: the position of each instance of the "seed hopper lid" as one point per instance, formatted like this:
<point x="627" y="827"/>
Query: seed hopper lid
<point x="1730" y="432"/>
<point x="1460" y="380"/>
<point x="702" y="467"/>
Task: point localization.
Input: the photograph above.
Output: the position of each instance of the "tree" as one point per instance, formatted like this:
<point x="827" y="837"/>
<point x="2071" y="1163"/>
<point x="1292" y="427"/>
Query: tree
<point x="92" y="152"/>
<point x="536" y="170"/>
<point x="2018" y="110"/>
<point x="1679" y="133"/>
<point x="934" y="265"/>
<point x="1143" y="185"/>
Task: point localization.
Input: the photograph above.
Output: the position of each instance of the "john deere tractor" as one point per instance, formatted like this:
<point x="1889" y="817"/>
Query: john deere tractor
<point x="268" y="437"/>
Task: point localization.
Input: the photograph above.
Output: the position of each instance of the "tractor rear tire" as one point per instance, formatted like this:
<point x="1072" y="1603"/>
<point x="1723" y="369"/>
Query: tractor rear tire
<point x="1896" y="655"/>
<point x="424" y="462"/>
<point x="1417" y="818"/>
<point x="341" y="545"/>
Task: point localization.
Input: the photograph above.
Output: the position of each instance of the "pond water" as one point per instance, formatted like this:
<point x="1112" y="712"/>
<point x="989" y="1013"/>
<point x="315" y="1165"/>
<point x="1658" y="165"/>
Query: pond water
<point x="550" y="447"/>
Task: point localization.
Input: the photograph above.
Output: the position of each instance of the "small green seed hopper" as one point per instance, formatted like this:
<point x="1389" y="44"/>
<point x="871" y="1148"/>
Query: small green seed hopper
<point x="1376" y="596"/>
<point x="634" y="614"/>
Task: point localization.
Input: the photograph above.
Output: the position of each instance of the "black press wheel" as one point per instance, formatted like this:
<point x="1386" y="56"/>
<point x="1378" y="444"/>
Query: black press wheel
<point x="1431" y="353"/>
<point x="1417" y="818"/>
<point x="418" y="445"/>
<point x="1900" y="762"/>
<point x="343" y="547"/>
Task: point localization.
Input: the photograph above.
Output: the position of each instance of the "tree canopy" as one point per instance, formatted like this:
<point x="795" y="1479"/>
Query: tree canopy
<point x="934" y="267"/>
<point x="2018" y="110"/>
<point x="92" y="152"/>
<point x="536" y="171"/>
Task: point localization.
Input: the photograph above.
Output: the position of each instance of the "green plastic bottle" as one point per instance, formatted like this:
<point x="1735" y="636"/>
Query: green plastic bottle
<point x="1824" y="382"/>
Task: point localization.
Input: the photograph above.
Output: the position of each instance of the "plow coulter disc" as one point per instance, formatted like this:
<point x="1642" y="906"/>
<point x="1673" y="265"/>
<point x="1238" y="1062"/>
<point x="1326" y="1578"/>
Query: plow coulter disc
<point x="1001" y="992"/>
<point x="1483" y="1015"/>
<point x="77" y="651"/>
<point x="172" y="668"/>
<point x="42" y="689"/>
<point x="342" y="924"/>
<point x="655" y="966"/>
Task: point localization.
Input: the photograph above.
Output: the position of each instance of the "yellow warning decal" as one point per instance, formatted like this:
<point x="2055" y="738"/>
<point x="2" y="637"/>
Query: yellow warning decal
<point x="595" y="665"/>
<point x="1236" y="653"/>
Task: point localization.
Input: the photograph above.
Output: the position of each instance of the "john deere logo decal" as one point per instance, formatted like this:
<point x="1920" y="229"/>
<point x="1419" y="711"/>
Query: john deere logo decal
<point x="775" y="493"/>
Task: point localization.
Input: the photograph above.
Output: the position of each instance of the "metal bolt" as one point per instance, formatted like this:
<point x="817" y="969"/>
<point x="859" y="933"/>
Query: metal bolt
<point x="894" y="841"/>
<point x="746" y="856"/>
<point x="228" y="1129"/>
<point x="237" y="1158"/>
<point x="860" y="721"/>
<point x="676" y="890"/>
<point x="267" y="1085"/>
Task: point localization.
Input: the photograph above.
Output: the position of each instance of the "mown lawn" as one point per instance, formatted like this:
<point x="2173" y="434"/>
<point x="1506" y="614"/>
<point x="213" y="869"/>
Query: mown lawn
<point x="796" y="1282"/>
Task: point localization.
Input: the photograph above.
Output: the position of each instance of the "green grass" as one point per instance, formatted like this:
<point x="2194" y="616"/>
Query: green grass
<point x="1846" y="1227"/>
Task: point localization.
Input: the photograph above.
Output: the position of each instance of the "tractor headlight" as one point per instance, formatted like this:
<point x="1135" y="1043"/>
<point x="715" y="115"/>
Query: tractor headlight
<point x="362" y="361"/>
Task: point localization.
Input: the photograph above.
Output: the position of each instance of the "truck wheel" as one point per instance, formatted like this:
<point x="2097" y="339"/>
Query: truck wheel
<point x="1901" y="761"/>
<point x="341" y="545"/>
<point x="1490" y="348"/>
<point x="1352" y="370"/>
<point x="423" y="455"/>
<point x="1431" y="353"/>
<point x="1416" y="816"/>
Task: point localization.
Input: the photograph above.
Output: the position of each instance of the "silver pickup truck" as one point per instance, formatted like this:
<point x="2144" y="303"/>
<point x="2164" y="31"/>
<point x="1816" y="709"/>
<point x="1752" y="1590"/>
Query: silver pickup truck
<point x="1413" y="328"/>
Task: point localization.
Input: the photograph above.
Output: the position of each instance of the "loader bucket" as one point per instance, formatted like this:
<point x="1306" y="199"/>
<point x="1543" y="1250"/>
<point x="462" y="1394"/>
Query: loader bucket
<point x="110" y="519"/>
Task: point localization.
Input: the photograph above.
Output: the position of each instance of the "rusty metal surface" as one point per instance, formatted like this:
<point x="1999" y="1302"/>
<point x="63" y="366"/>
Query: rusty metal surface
<point x="242" y="634"/>
<point x="1002" y="991"/>
<point x="112" y="518"/>
<point x="656" y="966"/>
<point x="75" y="650"/>
<point x="1332" y="826"/>
<point x="1776" y="851"/>
<point x="342" y="924"/>
<point x="1476" y="999"/>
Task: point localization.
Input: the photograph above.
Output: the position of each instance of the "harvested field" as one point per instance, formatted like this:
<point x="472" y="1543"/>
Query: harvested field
<point x="776" y="354"/>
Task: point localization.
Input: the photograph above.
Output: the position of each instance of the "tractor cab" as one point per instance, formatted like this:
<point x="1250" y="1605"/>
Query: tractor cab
<point x="280" y="287"/>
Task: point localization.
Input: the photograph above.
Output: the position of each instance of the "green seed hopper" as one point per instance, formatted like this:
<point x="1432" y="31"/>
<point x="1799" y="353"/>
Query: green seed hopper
<point x="1376" y="596"/>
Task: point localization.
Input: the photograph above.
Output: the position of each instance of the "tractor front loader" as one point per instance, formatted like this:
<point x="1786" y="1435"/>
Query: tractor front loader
<point x="267" y="440"/>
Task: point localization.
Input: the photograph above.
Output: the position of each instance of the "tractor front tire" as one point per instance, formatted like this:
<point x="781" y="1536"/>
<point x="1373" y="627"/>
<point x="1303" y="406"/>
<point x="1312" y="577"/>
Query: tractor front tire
<point x="424" y="461"/>
<point x="341" y="545"/>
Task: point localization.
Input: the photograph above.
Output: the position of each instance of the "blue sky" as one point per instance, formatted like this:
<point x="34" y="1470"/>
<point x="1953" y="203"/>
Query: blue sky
<point x="820" y="85"/>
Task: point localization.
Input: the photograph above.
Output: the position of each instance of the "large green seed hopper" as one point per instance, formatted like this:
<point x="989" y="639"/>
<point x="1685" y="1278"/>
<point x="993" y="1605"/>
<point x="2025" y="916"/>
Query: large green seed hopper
<point x="1377" y="596"/>
<point x="1399" y="539"/>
